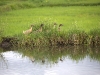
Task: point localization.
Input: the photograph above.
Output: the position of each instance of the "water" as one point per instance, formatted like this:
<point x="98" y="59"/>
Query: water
<point x="50" y="61"/>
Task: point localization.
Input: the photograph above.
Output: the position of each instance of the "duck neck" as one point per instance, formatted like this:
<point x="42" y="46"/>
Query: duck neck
<point x="31" y="28"/>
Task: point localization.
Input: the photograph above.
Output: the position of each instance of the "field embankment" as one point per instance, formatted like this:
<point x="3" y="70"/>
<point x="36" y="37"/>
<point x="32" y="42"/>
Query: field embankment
<point x="81" y="25"/>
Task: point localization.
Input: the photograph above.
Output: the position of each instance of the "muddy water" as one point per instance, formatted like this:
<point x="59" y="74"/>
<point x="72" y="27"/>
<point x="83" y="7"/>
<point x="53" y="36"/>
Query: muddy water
<point x="72" y="60"/>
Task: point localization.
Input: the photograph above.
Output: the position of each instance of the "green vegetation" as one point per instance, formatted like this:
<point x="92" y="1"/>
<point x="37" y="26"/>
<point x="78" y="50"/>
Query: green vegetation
<point x="7" y="5"/>
<point x="80" y="23"/>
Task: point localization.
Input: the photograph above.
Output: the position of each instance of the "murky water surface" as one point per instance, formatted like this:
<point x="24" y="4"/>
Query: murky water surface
<point x="50" y="61"/>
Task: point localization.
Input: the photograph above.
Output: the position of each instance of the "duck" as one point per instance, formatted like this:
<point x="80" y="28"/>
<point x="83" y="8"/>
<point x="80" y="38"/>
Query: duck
<point x="59" y="28"/>
<point x="43" y="61"/>
<point x="54" y="25"/>
<point x="32" y="59"/>
<point x="28" y="31"/>
<point x="41" y="28"/>
<point x="61" y="59"/>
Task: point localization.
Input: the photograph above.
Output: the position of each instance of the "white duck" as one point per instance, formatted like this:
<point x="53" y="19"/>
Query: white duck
<point x="28" y="31"/>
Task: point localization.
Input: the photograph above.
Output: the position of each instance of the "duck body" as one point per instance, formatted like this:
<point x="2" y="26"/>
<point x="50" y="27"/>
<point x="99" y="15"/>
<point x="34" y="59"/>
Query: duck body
<point x="28" y="31"/>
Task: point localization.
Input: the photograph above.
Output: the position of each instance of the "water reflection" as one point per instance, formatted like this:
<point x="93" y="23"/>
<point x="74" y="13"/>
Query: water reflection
<point x="3" y="61"/>
<point x="72" y="60"/>
<point x="56" y="54"/>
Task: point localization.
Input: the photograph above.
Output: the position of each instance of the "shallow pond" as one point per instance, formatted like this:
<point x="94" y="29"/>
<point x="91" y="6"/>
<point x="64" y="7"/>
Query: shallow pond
<point x="72" y="60"/>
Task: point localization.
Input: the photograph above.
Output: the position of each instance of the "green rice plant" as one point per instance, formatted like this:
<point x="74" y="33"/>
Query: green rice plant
<point x="94" y="36"/>
<point x="77" y="36"/>
<point x="10" y="5"/>
<point x="95" y="32"/>
<point x="14" y="20"/>
<point x="20" y="4"/>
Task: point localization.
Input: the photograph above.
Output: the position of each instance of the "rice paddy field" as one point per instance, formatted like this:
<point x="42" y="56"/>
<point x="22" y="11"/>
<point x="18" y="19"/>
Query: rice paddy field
<point x="76" y="19"/>
<point x="82" y="17"/>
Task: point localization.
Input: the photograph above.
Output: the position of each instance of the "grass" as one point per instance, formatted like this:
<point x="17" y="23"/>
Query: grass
<point x="78" y="20"/>
<point x="8" y="5"/>
<point x="81" y="18"/>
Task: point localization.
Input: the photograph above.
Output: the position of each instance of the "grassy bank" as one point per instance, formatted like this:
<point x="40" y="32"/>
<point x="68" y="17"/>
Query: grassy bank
<point x="80" y="25"/>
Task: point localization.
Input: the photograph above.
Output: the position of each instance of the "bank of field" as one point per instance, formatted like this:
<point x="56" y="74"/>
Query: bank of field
<point x="75" y="20"/>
